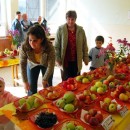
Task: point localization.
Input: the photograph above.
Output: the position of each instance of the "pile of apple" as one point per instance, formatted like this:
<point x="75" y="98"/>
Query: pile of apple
<point x="99" y="87"/>
<point x="68" y="102"/>
<point x="93" y="117"/>
<point x="84" y="78"/>
<point x="28" y="103"/>
<point x="70" y="84"/>
<point x="87" y="97"/>
<point x="72" y="126"/>
<point x="50" y="93"/>
<point x="121" y="93"/>
<point x="127" y="86"/>
<point x="109" y="105"/>
<point x="99" y="72"/>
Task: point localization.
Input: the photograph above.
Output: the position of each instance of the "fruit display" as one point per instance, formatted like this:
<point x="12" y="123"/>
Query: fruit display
<point x="92" y="117"/>
<point x="87" y="97"/>
<point x="84" y="78"/>
<point x="68" y="103"/>
<point x="69" y="84"/>
<point x="50" y="93"/>
<point x="71" y="125"/>
<point x="121" y="93"/>
<point x="45" y="119"/>
<point x="99" y="87"/>
<point x="110" y="105"/>
<point x="26" y="104"/>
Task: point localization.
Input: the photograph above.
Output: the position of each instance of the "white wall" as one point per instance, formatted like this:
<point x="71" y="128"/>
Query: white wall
<point x="104" y="17"/>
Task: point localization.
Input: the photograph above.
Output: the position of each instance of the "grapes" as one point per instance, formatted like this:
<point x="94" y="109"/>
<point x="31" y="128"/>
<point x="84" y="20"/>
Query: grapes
<point x="46" y="119"/>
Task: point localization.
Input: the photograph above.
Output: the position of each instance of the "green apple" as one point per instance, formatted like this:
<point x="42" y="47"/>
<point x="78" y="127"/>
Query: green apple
<point x="93" y="88"/>
<point x="25" y="107"/>
<point x="37" y="102"/>
<point x="93" y="96"/>
<point x="69" y="108"/>
<point x="98" y="84"/>
<point x="111" y="84"/>
<point x="60" y="103"/>
<point x="22" y="101"/>
<point x="100" y="90"/>
<point x="30" y="100"/>
<point x="86" y="92"/>
<point x="85" y="80"/>
<point x="107" y="100"/>
<point x="79" y="78"/>
<point x="70" y="126"/>
<point x="69" y="97"/>
<point x="104" y="86"/>
<point x="79" y="127"/>
<point x="112" y="107"/>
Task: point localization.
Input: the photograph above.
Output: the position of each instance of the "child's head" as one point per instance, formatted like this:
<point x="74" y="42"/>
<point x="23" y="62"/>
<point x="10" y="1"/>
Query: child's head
<point x="2" y="86"/>
<point x="99" y="41"/>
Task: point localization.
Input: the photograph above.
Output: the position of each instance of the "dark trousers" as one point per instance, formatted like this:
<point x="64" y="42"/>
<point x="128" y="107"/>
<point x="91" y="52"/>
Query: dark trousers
<point x="33" y="75"/>
<point x="70" y="71"/>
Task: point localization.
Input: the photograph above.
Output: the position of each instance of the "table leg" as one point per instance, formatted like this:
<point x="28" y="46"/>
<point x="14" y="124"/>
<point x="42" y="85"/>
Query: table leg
<point x="13" y="77"/>
<point x="16" y="72"/>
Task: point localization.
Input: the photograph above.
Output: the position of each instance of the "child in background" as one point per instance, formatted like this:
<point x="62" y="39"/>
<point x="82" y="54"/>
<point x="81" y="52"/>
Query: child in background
<point x="97" y="61"/>
<point x="5" y="98"/>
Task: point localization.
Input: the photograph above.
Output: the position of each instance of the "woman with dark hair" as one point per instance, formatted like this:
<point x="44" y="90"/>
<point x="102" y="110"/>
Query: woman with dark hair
<point x="36" y="54"/>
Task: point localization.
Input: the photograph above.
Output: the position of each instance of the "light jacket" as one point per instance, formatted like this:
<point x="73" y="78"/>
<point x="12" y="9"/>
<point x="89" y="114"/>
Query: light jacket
<point x="61" y="42"/>
<point x="47" y="60"/>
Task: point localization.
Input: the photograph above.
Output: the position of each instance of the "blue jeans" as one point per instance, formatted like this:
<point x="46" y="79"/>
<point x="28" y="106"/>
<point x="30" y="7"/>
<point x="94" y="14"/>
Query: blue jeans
<point x="33" y="75"/>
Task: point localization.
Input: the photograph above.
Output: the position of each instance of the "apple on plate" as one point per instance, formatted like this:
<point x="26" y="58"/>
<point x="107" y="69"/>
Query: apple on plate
<point x="112" y="107"/>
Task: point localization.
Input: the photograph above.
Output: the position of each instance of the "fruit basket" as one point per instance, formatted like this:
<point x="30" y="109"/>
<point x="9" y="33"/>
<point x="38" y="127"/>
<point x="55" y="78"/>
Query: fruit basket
<point x="51" y="93"/>
<point x="68" y="103"/>
<point x="27" y="104"/>
<point x="69" y="85"/>
<point x="45" y="118"/>
<point x="72" y="124"/>
<point x="87" y="97"/>
<point x="110" y="105"/>
<point x="92" y="116"/>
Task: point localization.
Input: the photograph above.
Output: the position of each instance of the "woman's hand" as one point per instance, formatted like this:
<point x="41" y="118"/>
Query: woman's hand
<point x="45" y="83"/>
<point x="26" y="86"/>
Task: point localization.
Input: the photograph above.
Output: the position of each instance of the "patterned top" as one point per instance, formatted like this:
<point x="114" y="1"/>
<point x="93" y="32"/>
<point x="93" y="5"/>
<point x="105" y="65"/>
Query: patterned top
<point x="6" y="98"/>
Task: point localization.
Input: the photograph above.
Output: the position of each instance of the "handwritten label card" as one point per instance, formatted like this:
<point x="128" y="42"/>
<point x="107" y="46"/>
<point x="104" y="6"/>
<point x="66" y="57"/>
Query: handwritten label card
<point x="123" y="111"/>
<point x="107" y="123"/>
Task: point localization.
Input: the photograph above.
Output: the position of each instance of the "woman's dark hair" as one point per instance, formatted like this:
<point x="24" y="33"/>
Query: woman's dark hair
<point x="38" y="32"/>
<point x="71" y="14"/>
<point x="100" y="38"/>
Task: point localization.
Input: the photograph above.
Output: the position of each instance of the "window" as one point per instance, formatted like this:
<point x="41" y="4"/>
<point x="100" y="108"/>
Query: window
<point x="31" y="7"/>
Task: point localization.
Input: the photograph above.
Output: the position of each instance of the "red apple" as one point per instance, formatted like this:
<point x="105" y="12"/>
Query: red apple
<point x="92" y="112"/>
<point x="70" y="80"/>
<point x="82" y="97"/>
<point x="70" y="87"/>
<point x="121" y="89"/>
<point x="64" y="84"/>
<point x="87" y="117"/>
<point x="106" y="82"/>
<point x="99" y="116"/>
<point x="93" y="121"/>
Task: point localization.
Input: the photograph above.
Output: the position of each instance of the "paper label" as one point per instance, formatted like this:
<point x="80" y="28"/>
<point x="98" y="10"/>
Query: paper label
<point x="107" y="123"/>
<point x="123" y="111"/>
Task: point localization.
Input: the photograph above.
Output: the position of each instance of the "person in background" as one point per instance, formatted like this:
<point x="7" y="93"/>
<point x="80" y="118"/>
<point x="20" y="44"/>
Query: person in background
<point x="71" y="47"/>
<point x="42" y="22"/>
<point x="26" y="24"/>
<point x="94" y="58"/>
<point x="5" y="98"/>
<point x="36" y="54"/>
<point x="16" y="25"/>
